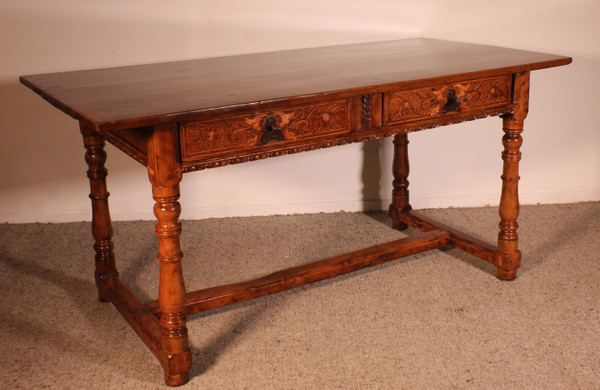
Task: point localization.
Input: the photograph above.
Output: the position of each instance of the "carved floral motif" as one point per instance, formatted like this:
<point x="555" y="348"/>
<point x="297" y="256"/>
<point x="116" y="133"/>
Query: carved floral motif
<point x="429" y="101"/>
<point x="242" y="132"/>
<point x="252" y="155"/>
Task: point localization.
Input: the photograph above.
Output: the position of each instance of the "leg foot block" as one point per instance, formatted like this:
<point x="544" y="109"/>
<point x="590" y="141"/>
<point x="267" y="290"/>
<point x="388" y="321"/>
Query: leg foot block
<point x="396" y="223"/>
<point x="504" y="274"/>
<point x="175" y="380"/>
<point x="507" y="264"/>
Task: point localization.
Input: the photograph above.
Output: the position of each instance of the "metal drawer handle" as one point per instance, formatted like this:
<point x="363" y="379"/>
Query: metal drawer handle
<point x="452" y="102"/>
<point x="272" y="132"/>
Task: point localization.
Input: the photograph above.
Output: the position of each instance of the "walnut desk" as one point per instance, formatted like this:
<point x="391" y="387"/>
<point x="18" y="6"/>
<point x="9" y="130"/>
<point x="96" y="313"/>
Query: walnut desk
<point x="191" y="115"/>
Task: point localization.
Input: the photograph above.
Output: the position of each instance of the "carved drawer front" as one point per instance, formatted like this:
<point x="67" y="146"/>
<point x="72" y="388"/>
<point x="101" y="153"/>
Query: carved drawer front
<point x="439" y="100"/>
<point x="253" y="132"/>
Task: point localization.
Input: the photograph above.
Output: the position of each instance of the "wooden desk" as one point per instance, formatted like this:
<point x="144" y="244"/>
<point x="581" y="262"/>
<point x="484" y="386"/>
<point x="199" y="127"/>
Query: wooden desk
<point x="190" y="115"/>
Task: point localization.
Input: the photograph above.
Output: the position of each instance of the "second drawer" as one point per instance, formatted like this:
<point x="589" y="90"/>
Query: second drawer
<point x="446" y="99"/>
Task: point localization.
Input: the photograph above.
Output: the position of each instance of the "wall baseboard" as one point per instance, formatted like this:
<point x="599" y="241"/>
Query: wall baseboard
<point x="60" y="216"/>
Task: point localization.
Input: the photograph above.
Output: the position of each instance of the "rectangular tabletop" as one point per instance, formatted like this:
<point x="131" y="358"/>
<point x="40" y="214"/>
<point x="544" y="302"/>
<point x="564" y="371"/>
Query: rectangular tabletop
<point x="129" y="96"/>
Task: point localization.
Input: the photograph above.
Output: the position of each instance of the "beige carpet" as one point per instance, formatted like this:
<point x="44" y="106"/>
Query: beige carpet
<point x="438" y="320"/>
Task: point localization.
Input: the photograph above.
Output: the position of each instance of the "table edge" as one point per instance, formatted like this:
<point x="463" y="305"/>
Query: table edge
<point x="127" y="123"/>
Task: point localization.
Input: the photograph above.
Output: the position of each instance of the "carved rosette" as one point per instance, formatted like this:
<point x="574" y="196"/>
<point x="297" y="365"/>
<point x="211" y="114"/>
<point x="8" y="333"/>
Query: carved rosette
<point x="243" y="132"/>
<point x="429" y="101"/>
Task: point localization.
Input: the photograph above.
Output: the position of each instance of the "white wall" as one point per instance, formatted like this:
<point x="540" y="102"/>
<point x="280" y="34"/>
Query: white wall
<point x="42" y="171"/>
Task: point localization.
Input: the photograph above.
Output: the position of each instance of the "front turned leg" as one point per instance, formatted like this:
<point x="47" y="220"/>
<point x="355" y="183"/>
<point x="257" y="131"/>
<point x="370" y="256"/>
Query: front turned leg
<point x="508" y="257"/>
<point x="102" y="230"/>
<point x="165" y="176"/>
<point x="171" y="291"/>
<point x="400" y="170"/>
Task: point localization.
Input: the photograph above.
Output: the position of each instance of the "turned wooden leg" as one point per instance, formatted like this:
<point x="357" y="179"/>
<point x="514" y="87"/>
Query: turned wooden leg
<point x="400" y="170"/>
<point x="102" y="230"/>
<point x="508" y="257"/>
<point x="165" y="175"/>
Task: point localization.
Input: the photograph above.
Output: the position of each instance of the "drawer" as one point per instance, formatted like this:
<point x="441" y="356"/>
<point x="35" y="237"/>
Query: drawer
<point x="263" y="130"/>
<point x="447" y="99"/>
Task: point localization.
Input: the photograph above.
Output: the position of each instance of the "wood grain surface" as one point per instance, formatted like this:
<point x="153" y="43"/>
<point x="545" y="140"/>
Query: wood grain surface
<point x="129" y="96"/>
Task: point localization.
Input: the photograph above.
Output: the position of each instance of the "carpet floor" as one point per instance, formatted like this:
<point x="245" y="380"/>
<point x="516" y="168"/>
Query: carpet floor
<point x="437" y="320"/>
